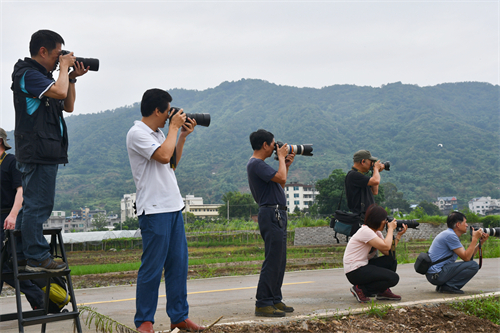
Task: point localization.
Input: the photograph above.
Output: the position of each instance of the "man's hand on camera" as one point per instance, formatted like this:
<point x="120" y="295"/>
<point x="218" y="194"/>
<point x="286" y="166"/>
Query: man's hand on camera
<point x="78" y="70"/>
<point x="178" y="119"/>
<point x="67" y="60"/>
<point x="484" y="237"/>
<point x="282" y="151"/>
<point x="188" y="127"/>
<point x="289" y="159"/>
<point x="379" y="166"/>
<point x="477" y="234"/>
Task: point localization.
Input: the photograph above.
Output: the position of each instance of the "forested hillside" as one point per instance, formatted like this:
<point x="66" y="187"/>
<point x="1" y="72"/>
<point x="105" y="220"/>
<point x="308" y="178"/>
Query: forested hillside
<point x="441" y="140"/>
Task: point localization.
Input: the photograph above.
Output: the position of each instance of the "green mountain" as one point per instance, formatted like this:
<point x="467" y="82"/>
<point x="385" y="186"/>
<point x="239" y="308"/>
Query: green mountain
<point x="441" y="140"/>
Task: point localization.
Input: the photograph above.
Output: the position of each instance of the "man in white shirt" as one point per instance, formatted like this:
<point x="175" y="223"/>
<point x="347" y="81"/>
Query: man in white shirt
<point x="153" y="159"/>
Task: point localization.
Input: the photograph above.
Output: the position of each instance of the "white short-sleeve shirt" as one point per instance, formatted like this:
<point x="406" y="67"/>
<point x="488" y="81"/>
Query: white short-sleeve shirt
<point x="157" y="189"/>
<point x="357" y="252"/>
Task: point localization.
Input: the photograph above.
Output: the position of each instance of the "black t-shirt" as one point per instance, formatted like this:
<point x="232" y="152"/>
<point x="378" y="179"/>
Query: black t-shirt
<point x="357" y="191"/>
<point x="264" y="190"/>
<point x="10" y="181"/>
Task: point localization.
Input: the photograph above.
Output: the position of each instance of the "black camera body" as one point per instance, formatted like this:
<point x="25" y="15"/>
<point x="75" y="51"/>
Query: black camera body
<point x="202" y="119"/>
<point x="387" y="165"/>
<point x="305" y="150"/>
<point x="413" y="224"/>
<point x="495" y="232"/>
<point x="92" y="62"/>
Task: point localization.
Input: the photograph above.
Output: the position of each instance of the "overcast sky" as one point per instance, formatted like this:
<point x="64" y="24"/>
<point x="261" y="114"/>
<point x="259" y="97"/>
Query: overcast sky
<point x="200" y="44"/>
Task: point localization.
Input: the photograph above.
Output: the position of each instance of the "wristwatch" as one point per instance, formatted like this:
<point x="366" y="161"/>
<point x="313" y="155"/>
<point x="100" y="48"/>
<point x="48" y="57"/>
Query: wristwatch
<point x="72" y="80"/>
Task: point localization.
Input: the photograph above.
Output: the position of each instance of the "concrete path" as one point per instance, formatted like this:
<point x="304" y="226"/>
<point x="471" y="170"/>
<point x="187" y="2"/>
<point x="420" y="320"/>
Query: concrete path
<point x="319" y="292"/>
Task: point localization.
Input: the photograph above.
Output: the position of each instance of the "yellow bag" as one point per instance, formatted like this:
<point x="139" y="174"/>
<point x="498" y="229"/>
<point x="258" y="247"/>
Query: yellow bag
<point x="58" y="295"/>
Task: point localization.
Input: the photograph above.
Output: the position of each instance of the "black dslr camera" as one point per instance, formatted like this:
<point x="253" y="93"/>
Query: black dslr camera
<point x="305" y="150"/>
<point x="387" y="166"/>
<point x="410" y="223"/>
<point x="92" y="62"/>
<point x="202" y="119"/>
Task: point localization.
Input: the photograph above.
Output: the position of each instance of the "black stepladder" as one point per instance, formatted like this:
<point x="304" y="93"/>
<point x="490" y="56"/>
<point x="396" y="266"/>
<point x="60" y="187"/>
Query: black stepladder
<point x="39" y="316"/>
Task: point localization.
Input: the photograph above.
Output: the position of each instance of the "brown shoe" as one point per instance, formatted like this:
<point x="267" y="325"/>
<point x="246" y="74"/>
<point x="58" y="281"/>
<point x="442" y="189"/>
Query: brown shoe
<point x="187" y="325"/>
<point x="146" y="327"/>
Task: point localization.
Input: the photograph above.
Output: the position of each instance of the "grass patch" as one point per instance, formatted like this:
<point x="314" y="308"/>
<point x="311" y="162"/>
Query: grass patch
<point x="107" y="268"/>
<point x="482" y="307"/>
<point x="378" y="310"/>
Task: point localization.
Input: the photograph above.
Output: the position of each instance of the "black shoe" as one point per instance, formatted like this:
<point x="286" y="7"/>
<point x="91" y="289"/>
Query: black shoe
<point x="21" y="264"/>
<point x="282" y="306"/>
<point x="438" y="289"/>
<point x="48" y="265"/>
<point x="269" y="311"/>
<point x="449" y="290"/>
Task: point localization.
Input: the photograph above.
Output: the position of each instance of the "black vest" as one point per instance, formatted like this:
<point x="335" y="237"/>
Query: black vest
<point x="38" y="136"/>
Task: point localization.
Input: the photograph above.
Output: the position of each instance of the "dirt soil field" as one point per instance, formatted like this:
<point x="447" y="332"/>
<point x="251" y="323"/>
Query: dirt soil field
<point x="427" y="318"/>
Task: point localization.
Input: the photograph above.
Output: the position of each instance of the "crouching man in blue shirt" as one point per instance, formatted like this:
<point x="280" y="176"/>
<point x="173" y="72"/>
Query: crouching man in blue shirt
<point x="449" y="276"/>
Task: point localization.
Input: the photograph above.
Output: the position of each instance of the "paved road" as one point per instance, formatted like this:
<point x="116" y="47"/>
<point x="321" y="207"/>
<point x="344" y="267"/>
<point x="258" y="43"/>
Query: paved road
<point x="309" y="292"/>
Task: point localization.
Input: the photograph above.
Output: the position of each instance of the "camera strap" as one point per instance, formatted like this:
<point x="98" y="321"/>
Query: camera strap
<point x="3" y="157"/>
<point x="480" y="255"/>
<point x="173" y="159"/>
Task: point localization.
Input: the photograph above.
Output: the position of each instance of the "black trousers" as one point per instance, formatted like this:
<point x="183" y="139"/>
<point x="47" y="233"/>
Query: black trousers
<point x="273" y="233"/>
<point x="376" y="277"/>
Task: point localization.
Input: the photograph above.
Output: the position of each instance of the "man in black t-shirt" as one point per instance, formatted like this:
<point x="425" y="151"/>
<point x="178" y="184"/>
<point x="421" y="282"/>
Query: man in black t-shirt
<point x="359" y="187"/>
<point x="11" y="200"/>
<point x="267" y="187"/>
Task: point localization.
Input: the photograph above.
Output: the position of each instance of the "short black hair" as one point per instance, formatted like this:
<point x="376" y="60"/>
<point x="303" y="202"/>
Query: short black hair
<point x="374" y="216"/>
<point x="155" y="98"/>
<point x="454" y="218"/>
<point x="258" y="138"/>
<point x="44" y="38"/>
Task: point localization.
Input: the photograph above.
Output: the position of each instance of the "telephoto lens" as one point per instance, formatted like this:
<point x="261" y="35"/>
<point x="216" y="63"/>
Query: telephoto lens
<point x="202" y="119"/>
<point x="92" y="62"/>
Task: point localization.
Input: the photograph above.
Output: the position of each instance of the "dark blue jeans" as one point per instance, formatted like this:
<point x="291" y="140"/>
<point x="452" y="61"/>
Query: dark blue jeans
<point x="273" y="267"/>
<point x="454" y="275"/>
<point x="164" y="247"/>
<point x="39" y="189"/>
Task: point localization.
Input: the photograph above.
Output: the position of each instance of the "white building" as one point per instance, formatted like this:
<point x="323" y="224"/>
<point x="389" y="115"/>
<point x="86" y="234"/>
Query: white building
<point x="447" y="204"/>
<point x="196" y="206"/>
<point x="484" y="205"/>
<point x="193" y="205"/>
<point x="56" y="220"/>
<point x="299" y="195"/>
<point x="127" y="206"/>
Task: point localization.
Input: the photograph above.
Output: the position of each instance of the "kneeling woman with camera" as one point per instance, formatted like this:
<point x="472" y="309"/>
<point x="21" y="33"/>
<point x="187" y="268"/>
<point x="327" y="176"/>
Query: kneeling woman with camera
<point x="369" y="274"/>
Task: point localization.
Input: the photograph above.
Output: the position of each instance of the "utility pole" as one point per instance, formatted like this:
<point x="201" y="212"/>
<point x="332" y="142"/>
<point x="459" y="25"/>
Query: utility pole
<point x="228" y="211"/>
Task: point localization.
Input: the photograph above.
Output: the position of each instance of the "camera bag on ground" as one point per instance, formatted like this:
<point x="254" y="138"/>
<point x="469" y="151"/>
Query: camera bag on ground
<point x="424" y="262"/>
<point x="58" y="296"/>
<point x="345" y="223"/>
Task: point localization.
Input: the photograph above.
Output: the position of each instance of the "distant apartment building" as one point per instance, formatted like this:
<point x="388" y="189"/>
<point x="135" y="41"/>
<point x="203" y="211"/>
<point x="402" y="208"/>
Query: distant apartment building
<point x="127" y="207"/>
<point x="196" y="206"/>
<point x="485" y="206"/>
<point x="193" y="205"/>
<point x="56" y="220"/>
<point x="111" y="220"/>
<point x="299" y="195"/>
<point x="447" y="204"/>
<point x="74" y="223"/>
<point x="81" y="220"/>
